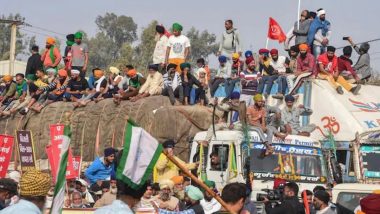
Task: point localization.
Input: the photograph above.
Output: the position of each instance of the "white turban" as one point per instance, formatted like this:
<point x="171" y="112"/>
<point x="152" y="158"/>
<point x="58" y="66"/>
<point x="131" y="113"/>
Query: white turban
<point x="74" y="71"/>
<point x="114" y="70"/>
<point x="321" y="12"/>
<point x="166" y="183"/>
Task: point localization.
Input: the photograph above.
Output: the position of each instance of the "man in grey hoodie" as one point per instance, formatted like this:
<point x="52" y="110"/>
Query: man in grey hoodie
<point x="300" y="33"/>
<point x="230" y="42"/>
<point x="362" y="67"/>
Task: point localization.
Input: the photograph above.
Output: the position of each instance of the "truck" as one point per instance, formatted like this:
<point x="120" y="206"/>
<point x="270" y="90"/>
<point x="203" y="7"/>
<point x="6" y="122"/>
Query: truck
<point x="348" y="195"/>
<point x="297" y="158"/>
<point x="354" y="123"/>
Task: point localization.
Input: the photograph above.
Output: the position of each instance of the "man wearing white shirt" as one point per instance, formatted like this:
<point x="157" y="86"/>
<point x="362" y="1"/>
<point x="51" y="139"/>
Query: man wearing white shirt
<point x="279" y="65"/>
<point x="178" y="47"/>
<point x="159" y="53"/>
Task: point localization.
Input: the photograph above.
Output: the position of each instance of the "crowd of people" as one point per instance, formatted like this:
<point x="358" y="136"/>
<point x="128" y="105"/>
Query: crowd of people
<point x="169" y="191"/>
<point x="312" y="56"/>
<point x="245" y="83"/>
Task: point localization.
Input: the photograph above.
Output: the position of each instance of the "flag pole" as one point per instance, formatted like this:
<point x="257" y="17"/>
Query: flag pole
<point x="199" y="182"/>
<point x="298" y="15"/>
<point x="266" y="44"/>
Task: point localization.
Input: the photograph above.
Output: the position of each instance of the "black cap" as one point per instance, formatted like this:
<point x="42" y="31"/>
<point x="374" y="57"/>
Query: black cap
<point x="168" y="144"/>
<point x="70" y="37"/>
<point x="160" y="29"/>
<point x="35" y="48"/>
<point x="9" y="185"/>
<point x="153" y="67"/>
<point x="289" y="98"/>
<point x="109" y="151"/>
<point x="171" y="65"/>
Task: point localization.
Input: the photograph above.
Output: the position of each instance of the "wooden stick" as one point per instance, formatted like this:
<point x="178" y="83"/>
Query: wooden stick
<point x="199" y="182"/>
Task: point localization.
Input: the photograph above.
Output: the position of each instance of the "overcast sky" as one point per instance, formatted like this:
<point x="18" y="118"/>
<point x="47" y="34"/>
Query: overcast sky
<point x="358" y="19"/>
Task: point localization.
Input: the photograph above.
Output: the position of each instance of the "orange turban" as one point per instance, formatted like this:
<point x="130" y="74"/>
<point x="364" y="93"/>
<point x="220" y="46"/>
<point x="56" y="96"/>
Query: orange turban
<point x="131" y="73"/>
<point x="177" y="179"/>
<point x="303" y="47"/>
<point x="98" y="73"/>
<point x="7" y="78"/>
<point x="62" y="73"/>
<point x="50" y="41"/>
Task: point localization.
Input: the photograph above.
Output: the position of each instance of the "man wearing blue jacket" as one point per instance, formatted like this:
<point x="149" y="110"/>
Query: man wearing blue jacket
<point x="99" y="172"/>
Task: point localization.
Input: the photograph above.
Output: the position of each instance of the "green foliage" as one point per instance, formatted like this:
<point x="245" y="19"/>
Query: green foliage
<point x="119" y="29"/>
<point x="126" y="56"/>
<point x="144" y="51"/>
<point x="102" y="51"/>
<point x="202" y="44"/>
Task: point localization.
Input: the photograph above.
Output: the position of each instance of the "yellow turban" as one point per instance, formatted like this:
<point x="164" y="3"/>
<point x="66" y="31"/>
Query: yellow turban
<point x="98" y="73"/>
<point x="235" y="56"/>
<point x="7" y="78"/>
<point x="50" y="41"/>
<point x="377" y="191"/>
<point x="177" y="179"/>
<point x="34" y="183"/>
<point x="258" y="98"/>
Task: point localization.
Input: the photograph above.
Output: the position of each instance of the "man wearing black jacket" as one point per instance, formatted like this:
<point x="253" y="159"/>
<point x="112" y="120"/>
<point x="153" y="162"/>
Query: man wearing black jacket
<point x="34" y="63"/>
<point x="289" y="204"/>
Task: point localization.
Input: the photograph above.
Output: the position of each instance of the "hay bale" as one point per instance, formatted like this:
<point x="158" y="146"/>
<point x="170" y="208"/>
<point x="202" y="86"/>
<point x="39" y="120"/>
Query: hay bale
<point x="155" y="114"/>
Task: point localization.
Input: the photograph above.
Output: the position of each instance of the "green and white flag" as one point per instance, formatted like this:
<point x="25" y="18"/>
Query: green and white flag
<point x="59" y="189"/>
<point x="140" y="154"/>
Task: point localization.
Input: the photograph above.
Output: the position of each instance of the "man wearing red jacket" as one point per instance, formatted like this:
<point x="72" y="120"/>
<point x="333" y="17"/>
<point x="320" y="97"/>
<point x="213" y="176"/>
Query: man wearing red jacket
<point x="328" y="69"/>
<point x="345" y="65"/>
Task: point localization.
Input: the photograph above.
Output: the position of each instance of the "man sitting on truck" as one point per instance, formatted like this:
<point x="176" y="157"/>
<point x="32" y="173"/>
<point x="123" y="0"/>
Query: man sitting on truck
<point x="257" y="119"/>
<point x="291" y="118"/>
<point x="222" y="113"/>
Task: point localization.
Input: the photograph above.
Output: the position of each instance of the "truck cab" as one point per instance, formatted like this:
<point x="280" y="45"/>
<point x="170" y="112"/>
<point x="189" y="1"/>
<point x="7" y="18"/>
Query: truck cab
<point x="349" y="195"/>
<point x="366" y="149"/>
<point x="297" y="158"/>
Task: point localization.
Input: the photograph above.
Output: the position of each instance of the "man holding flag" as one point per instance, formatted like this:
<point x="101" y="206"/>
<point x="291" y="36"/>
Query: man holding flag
<point x="135" y="164"/>
<point x="164" y="168"/>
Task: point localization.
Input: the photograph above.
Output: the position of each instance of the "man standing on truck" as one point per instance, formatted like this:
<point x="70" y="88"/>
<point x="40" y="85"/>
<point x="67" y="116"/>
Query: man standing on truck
<point x="230" y="41"/>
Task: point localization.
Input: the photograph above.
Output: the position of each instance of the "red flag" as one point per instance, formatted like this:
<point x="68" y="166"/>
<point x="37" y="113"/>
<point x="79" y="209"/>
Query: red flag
<point x="275" y="32"/>
<point x="56" y="132"/>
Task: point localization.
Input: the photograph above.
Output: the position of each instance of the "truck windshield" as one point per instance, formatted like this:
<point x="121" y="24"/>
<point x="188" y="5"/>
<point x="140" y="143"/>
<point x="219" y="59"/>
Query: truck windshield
<point x="288" y="159"/>
<point x="371" y="159"/>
